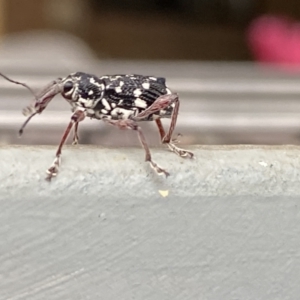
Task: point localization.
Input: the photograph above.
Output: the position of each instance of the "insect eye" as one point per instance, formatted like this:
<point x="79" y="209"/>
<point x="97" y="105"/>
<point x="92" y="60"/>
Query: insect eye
<point x="68" y="86"/>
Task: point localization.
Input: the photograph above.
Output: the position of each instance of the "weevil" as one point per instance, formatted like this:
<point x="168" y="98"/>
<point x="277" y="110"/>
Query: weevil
<point x="120" y="100"/>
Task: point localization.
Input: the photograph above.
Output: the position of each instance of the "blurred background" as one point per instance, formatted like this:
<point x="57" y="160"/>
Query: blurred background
<point x="234" y="63"/>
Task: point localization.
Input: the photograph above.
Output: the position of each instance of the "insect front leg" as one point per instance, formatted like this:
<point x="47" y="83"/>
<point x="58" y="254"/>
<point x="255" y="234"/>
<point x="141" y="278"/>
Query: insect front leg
<point x="78" y="116"/>
<point x="161" y="103"/>
<point x="130" y="124"/>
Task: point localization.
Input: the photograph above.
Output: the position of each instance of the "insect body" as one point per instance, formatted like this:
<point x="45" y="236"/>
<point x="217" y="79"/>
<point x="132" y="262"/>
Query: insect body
<point x="119" y="100"/>
<point x="116" y="97"/>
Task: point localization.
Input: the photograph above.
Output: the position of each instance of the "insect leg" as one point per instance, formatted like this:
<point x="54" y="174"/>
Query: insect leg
<point x="78" y="116"/>
<point x="75" y="136"/>
<point x="160" y="103"/>
<point x="171" y="144"/>
<point x="130" y="124"/>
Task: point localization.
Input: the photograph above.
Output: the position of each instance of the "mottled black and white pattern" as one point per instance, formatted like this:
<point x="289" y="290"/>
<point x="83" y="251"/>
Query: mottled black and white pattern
<point x="119" y="100"/>
<point x="115" y="97"/>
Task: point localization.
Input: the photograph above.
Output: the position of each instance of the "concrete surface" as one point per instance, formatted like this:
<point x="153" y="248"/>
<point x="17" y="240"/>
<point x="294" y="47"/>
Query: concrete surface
<point x="228" y="228"/>
<point x="121" y="173"/>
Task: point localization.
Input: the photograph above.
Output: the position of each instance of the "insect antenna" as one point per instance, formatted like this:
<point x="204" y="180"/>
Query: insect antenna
<point x="25" y="123"/>
<point x="31" y="91"/>
<point x="20" y="83"/>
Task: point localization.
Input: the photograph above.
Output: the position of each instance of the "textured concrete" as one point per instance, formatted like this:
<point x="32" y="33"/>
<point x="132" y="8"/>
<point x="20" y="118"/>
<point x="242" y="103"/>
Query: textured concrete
<point x="228" y="229"/>
<point x="116" y="173"/>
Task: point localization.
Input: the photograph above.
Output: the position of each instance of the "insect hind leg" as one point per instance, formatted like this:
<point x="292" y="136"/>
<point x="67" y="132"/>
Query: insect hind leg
<point x="171" y="144"/>
<point x="166" y="138"/>
<point x="161" y="103"/>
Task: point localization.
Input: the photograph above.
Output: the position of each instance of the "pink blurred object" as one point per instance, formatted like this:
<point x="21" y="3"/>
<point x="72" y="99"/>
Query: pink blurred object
<point x="275" y="40"/>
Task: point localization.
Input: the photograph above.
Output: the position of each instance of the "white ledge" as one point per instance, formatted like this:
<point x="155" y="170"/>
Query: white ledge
<point x="122" y="173"/>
